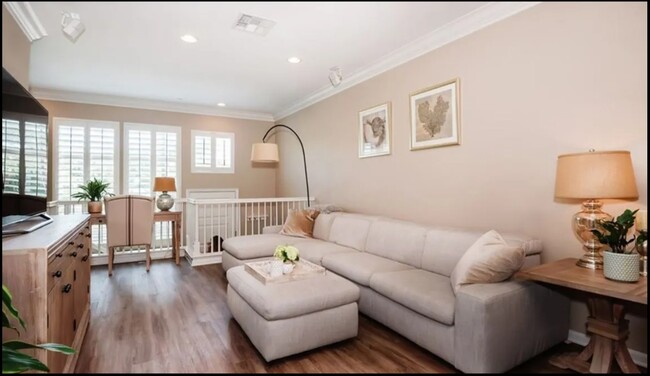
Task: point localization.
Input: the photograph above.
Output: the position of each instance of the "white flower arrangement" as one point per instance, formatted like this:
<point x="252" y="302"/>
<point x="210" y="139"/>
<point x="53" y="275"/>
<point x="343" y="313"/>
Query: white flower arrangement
<point x="287" y="253"/>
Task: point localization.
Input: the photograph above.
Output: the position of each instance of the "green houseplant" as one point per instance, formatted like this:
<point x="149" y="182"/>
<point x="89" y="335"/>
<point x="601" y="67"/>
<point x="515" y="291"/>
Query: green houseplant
<point x="93" y="191"/>
<point x="620" y="261"/>
<point x="14" y="361"/>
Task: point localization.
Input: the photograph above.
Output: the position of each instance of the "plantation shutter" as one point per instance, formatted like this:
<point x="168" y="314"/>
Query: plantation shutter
<point x="84" y="149"/>
<point x="35" y="159"/>
<point x="70" y="161"/>
<point x="223" y="152"/>
<point x="11" y="155"/>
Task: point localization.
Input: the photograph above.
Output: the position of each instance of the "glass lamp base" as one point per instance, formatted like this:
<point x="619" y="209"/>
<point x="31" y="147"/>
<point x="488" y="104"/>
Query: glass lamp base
<point x="165" y="202"/>
<point x="583" y="222"/>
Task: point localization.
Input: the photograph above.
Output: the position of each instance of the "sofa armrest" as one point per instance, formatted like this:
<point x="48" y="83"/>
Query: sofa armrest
<point x="271" y="229"/>
<point x="501" y="325"/>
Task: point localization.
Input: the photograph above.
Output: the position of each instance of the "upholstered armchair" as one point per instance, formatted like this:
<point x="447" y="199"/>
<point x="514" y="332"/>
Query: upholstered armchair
<point x="129" y="222"/>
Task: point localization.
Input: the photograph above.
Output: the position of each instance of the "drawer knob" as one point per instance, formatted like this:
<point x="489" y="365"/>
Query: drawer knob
<point x="57" y="274"/>
<point x="80" y="245"/>
<point x="71" y="243"/>
<point x="59" y="254"/>
<point x="87" y="235"/>
<point x="67" y="288"/>
<point x="85" y="258"/>
<point x="73" y="254"/>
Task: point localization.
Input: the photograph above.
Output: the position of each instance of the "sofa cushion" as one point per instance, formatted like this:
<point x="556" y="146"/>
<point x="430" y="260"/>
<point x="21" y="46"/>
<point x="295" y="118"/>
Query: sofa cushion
<point x="490" y="259"/>
<point x="314" y="250"/>
<point x="277" y="301"/>
<point x="426" y="293"/>
<point x="300" y="223"/>
<point x="252" y="246"/>
<point x="323" y="225"/>
<point x="443" y="248"/>
<point x="350" y="230"/>
<point x="360" y="266"/>
<point x="397" y="240"/>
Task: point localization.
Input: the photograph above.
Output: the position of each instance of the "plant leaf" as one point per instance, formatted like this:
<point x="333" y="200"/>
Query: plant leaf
<point x="15" y="362"/>
<point x="6" y="302"/>
<point x="56" y="347"/>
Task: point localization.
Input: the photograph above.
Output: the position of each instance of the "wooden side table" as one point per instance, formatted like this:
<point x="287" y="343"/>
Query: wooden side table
<point x="606" y="323"/>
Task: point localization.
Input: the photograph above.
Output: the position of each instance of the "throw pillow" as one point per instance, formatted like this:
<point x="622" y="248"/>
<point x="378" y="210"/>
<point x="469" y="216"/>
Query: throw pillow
<point x="300" y="223"/>
<point x="490" y="259"/>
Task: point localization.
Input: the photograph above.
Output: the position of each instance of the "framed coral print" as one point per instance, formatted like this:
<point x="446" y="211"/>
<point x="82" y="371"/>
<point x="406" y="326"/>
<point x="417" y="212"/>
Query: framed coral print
<point x="435" y="116"/>
<point x="374" y="131"/>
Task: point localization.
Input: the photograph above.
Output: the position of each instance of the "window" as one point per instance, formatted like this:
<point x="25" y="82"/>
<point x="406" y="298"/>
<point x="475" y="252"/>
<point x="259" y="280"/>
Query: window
<point x="152" y="150"/>
<point x="84" y="149"/>
<point x="23" y="137"/>
<point x="213" y="152"/>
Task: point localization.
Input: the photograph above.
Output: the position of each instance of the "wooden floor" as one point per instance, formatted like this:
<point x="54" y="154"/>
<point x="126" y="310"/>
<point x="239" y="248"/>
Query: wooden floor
<point x="175" y="319"/>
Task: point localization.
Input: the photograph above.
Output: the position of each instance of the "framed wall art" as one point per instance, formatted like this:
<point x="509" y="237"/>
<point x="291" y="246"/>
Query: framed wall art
<point x="435" y="116"/>
<point x="374" y="131"/>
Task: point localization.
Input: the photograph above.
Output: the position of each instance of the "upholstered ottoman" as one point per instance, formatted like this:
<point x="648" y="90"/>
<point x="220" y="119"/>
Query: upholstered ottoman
<point x="287" y="318"/>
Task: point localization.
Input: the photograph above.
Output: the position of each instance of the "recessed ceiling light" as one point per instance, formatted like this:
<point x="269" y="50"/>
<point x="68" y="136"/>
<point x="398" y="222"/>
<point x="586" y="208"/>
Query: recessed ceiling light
<point x="189" y="38"/>
<point x="221" y="104"/>
<point x="294" y="60"/>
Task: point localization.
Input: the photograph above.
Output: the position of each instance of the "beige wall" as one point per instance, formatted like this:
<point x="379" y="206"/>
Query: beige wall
<point x="251" y="181"/>
<point x="555" y="79"/>
<point x="15" y="49"/>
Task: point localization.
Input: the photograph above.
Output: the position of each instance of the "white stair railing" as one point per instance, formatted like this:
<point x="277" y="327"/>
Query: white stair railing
<point x="211" y="221"/>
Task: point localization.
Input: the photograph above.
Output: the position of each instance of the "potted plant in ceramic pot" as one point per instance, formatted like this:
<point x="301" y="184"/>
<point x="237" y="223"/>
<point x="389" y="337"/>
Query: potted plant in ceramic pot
<point x="93" y="191"/>
<point x="620" y="260"/>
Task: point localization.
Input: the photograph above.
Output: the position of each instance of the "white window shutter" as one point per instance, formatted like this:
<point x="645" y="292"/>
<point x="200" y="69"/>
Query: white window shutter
<point x="70" y="161"/>
<point x="138" y="171"/>
<point x="11" y="155"/>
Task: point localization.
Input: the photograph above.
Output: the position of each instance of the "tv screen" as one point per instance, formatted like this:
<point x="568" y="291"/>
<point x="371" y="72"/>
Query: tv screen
<point x="24" y="152"/>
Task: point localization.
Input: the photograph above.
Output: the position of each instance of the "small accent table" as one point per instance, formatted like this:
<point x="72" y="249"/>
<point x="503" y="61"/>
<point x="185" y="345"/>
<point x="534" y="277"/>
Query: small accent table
<point x="174" y="217"/>
<point x="606" y="323"/>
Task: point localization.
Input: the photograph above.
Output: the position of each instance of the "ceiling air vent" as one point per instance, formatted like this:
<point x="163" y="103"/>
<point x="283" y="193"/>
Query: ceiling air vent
<point x="252" y="24"/>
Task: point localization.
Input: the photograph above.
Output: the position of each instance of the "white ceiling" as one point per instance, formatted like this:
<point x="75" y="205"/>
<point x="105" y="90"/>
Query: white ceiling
<point x="132" y="52"/>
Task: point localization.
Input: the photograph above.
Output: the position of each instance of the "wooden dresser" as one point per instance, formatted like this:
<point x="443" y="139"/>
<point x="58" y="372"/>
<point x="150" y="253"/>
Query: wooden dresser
<point x="48" y="274"/>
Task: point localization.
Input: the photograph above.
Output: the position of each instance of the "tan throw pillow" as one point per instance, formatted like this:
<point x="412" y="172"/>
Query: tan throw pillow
<point x="300" y="223"/>
<point x="490" y="259"/>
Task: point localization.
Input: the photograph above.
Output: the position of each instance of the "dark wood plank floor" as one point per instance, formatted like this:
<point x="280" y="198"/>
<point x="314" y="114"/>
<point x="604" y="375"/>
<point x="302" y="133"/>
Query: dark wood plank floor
<point x="175" y="319"/>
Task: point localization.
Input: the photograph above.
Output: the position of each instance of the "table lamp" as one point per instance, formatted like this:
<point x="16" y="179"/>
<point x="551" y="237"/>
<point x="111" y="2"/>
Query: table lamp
<point x="592" y="176"/>
<point x="164" y="185"/>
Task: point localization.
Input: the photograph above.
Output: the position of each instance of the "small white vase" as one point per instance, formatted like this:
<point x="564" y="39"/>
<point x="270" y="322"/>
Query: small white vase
<point x="287" y="267"/>
<point x="621" y="266"/>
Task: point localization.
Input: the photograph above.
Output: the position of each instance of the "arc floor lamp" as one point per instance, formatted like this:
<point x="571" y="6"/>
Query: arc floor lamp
<point x="268" y="153"/>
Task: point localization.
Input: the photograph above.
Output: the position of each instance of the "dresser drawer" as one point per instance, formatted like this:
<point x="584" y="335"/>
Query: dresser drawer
<point x="75" y="248"/>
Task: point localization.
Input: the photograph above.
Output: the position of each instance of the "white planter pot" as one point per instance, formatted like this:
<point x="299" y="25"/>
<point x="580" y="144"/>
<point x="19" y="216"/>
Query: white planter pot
<point x="287" y="267"/>
<point x="621" y="266"/>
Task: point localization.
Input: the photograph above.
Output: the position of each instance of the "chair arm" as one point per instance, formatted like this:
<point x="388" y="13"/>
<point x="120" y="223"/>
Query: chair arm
<point x="501" y="325"/>
<point x="271" y="229"/>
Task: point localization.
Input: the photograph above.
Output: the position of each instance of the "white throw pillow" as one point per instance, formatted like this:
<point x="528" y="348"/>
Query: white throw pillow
<point x="490" y="259"/>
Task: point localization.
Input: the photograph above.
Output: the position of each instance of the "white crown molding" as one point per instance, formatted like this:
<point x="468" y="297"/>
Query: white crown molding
<point x="639" y="358"/>
<point x="471" y="22"/>
<point x="28" y="21"/>
<point x="146" y="104"/>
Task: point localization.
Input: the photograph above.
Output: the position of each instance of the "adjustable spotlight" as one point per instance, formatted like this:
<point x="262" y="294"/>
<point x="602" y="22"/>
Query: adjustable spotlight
<point x="335" y="76"/>
<point x="72" y="26"/>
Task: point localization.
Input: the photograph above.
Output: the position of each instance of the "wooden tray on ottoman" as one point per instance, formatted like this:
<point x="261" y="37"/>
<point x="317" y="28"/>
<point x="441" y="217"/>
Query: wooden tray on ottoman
<point x="303" y="269"/>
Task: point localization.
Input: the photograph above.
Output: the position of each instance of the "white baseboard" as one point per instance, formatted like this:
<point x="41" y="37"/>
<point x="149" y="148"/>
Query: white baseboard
<point x="639" y="358"/>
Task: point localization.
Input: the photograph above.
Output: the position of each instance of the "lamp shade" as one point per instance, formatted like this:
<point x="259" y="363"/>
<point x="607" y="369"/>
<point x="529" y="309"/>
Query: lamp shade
<point x="595" y="175"/>
<point x="265" y="153"/>
<point x="164" y="184"/>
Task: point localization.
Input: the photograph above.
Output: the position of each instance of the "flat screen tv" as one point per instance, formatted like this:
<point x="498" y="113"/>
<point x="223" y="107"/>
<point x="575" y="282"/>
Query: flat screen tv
<point x="24" y="159"/>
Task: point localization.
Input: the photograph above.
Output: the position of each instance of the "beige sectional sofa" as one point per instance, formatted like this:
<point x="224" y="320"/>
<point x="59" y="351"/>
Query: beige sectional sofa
<point x="402" y="270"/>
